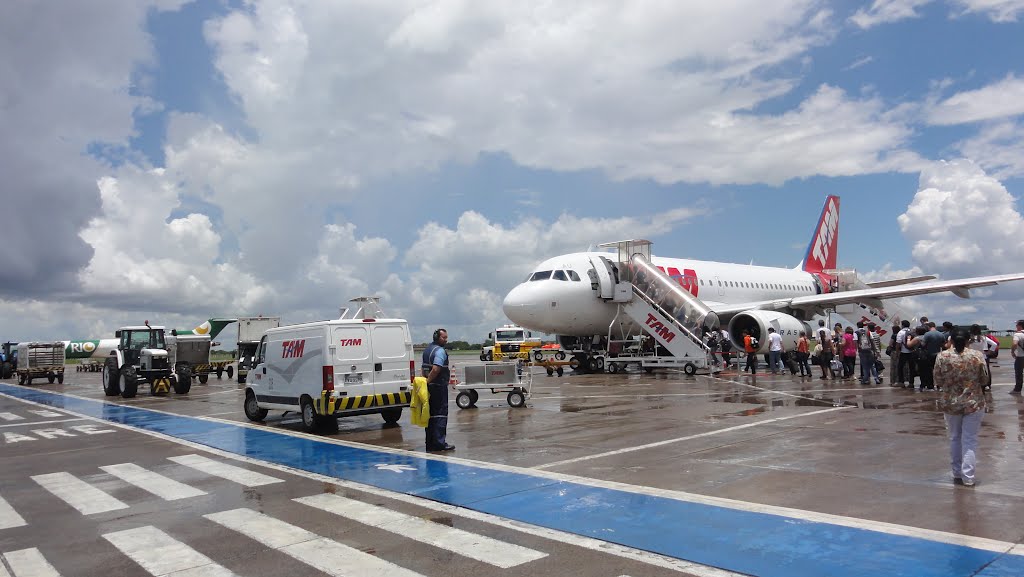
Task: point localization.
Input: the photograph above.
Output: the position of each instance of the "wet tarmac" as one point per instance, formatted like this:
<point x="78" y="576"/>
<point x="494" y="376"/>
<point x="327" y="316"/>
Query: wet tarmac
<point x="859" y="457"/>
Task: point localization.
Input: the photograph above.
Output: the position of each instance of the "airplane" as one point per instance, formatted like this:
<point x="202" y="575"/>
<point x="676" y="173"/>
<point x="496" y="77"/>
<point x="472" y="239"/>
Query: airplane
<point x="558" y="296"/>
<point x="101" y="348"/>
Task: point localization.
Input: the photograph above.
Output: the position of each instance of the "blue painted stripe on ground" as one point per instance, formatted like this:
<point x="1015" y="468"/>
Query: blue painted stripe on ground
<point x="754" y="543"/>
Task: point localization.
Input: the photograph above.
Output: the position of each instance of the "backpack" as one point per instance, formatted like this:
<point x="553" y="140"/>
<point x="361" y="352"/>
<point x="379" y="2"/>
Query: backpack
<point x="864" y="342"/>
<point x="753" y="342"/>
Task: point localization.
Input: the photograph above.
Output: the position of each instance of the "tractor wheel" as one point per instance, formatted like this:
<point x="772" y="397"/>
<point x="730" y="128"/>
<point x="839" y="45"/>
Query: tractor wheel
<point x="111" y="378"/>
<point x="220" y="370"/>
<point x="309" y="417"/>
<point x="183" y="382"/>
<point x="204" y="378"/>
<point x="6" y="370"/>
<point x="391" y="415"/>
<point x="129" y="382"/>
<point x="252" y="408"/>
<point x="230" y="371"/>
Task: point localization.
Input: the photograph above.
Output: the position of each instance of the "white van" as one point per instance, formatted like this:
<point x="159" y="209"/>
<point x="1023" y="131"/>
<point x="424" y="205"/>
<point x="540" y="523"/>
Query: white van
<point x="330" y="369"/>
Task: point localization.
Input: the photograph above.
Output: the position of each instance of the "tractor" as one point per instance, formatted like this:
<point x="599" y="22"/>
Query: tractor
<point x="141" y="357"/>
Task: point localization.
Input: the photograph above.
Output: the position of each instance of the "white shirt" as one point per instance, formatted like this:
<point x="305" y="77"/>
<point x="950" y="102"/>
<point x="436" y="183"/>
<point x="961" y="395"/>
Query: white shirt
<point x="904" y="334"/>
<point x="1018" y="343"/>
<point x="774" y="342"/>
<point x="982" y="344"/>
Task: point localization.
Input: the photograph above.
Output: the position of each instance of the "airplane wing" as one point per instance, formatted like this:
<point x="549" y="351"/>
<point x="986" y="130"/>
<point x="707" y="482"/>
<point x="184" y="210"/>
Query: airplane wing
<point x="959" y="287"/>
<point x="900" y="281"/>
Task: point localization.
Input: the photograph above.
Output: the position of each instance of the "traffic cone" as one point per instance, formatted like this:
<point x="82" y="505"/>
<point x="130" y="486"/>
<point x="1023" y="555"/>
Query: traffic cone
<point x="452" y="379"/>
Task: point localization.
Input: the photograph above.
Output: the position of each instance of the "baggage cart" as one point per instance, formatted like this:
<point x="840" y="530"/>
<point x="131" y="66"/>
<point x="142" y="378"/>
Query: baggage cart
<point x="507" y="378"/>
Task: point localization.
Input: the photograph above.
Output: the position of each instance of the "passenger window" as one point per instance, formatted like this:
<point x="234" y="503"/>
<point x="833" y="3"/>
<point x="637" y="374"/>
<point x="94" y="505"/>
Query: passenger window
<point x="573" y="276"/>
<point x="559" y="275"/>
<point x="541" y="275"/>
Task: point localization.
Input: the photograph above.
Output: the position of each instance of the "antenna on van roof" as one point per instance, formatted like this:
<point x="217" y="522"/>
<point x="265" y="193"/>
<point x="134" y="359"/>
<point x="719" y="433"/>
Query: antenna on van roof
<point x="368" y="308"/>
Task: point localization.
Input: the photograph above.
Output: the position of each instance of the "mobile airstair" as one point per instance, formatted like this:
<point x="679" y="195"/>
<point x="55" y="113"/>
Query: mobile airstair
<point x="656" y="303"/>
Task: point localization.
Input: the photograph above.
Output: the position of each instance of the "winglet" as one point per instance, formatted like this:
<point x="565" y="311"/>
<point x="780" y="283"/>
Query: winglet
<point x="821" y="252"/>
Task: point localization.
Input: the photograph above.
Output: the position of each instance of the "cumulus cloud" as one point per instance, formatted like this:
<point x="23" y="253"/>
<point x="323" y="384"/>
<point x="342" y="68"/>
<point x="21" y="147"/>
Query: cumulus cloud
<point x="998" y="148"/>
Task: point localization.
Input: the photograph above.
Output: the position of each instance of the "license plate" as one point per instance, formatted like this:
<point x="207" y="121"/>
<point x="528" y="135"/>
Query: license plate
<point x="353" y="378"/>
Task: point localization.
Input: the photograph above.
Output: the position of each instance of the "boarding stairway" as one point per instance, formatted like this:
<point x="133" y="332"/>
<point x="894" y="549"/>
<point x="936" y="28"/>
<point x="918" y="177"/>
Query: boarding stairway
<point x="656" y="302"/>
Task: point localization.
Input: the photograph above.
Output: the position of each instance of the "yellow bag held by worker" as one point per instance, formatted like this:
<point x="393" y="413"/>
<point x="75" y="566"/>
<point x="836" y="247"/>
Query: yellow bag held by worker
<point x="419" y="406"/>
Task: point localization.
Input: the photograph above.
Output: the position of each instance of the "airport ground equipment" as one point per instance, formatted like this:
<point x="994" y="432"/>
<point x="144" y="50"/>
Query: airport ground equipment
<point x="141" y="357"/>
<point x="89" y="366"/>
<point x="358" y="364"/>
<point x="669" y="314"/>
<point x="8" y="359"/>
<point x="190" y="358"/>
<point x="250" y="331"/>
<point x="510" y="342"/>
<point x="40" y="360"/>
<point x="498" y="378"/>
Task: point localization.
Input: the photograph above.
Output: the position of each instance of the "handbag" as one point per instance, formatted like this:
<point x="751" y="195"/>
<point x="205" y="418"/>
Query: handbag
<point x="888" y="351"/>
<point x="879" y="366"/>
<point x="836" y="364"/>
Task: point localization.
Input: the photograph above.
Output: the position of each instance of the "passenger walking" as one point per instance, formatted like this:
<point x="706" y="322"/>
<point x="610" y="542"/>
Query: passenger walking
<point x="985" y="346"/>
<point x="802" y="354"/>
<point x="827" y="351"/>
<point x="726" y="344"/>
<point x="435" y="369"/>
<point x="750" y="347"/>
<point x="775" y="351"/>
<point x="932" y="343"/>
<point x="961" y="373"/>
<point x="1017" y="352"/>
<point x="894" y="357"/>
<point x="908" y="366"/>
<point x="867" y="349"/>
<point x="849" y="353"/>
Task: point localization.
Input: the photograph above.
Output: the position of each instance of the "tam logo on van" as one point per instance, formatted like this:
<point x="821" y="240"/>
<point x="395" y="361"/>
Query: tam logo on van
<point x="292" y="349"/>
<point x="351" y="342"/>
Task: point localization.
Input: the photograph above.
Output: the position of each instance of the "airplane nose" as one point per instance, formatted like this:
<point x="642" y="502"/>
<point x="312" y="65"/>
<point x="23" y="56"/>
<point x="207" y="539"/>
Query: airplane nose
<point x="517" y="306"/>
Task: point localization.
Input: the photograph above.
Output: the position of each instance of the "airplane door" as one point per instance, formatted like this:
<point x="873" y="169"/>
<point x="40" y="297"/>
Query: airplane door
<point x="606" y="276"/>
<point x="721" y="289"/>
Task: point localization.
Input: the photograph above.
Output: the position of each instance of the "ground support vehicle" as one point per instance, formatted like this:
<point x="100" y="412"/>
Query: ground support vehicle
<point x="141" y="357"/>
<point x="40" y="360"/>
<point x="511" y="342"/>
<point x="250" y="331"/>
<point x="358" y="364"/>
<point x="190" y="357"/>
<point x="508" y="378"/>
<point x="8" y="359"/>
<point x="89" y="366"/>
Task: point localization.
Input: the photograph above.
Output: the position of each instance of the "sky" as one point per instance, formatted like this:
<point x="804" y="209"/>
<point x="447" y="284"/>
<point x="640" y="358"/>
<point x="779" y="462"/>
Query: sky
<point x="172" y="161"/>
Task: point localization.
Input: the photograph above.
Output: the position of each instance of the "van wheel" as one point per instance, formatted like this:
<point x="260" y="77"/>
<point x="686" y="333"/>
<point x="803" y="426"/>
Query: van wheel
<point x="111" y="378"/>
<point x="252" y="408"/>
<point x="309" y="417"/>
<point x="391" y="415"/>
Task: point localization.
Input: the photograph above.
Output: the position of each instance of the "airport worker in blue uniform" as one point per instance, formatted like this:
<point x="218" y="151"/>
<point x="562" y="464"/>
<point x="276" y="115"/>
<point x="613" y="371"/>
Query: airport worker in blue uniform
<point x="435" y="369"/>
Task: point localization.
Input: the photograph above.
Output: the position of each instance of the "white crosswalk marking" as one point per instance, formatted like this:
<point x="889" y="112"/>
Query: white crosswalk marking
<point x="163" y="487"/>
<point x="8" y="516"/>
<point x="47" y="414"/>
<point x="79" y="494"/>
<point x="230" y="472"/>
<point x="30" y="563"/>
<point x="160" y="554"/>
<point x="464" y="543"/>
<point x="11" y="417"/>
<point x="318" y="552"/>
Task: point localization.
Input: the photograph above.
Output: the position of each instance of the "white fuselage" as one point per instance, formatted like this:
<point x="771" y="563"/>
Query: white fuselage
<point x="570" y="307"/>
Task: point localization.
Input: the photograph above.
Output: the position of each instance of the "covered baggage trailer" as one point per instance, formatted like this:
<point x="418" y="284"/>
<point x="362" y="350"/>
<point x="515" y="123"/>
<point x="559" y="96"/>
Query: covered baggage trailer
<point x="508" y="378"/>
<point x="37" y="360"/>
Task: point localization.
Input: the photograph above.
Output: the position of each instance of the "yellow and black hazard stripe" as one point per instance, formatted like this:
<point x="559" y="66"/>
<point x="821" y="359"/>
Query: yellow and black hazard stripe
<point x="328" y="405"/>
<point x="160" y="386"/>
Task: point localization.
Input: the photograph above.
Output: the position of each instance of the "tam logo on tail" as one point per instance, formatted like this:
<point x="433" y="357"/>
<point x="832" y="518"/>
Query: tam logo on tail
<point x="821" y="254"/>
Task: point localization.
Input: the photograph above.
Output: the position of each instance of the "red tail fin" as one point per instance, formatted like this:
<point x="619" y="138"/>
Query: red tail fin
<point x="821" y="253"/>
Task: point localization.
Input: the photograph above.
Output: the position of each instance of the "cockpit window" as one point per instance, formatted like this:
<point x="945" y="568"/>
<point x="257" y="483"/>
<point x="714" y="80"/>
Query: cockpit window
<point x="573" y="276"/>
<point x="559" y="275"/>
<point x="541" y="275"/>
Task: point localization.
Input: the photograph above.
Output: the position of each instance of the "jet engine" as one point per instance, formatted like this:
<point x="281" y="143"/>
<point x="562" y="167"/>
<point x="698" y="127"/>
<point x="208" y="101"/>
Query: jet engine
<point x="757" y="322"/>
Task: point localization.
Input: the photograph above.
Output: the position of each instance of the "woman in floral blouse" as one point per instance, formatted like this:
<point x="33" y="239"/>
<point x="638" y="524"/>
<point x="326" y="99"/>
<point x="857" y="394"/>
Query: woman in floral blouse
<point x="961" y="373"/>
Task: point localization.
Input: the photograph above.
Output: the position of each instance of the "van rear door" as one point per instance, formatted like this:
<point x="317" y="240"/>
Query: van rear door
<point x="392" y="351"/>
<point x="353" y="364"/>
